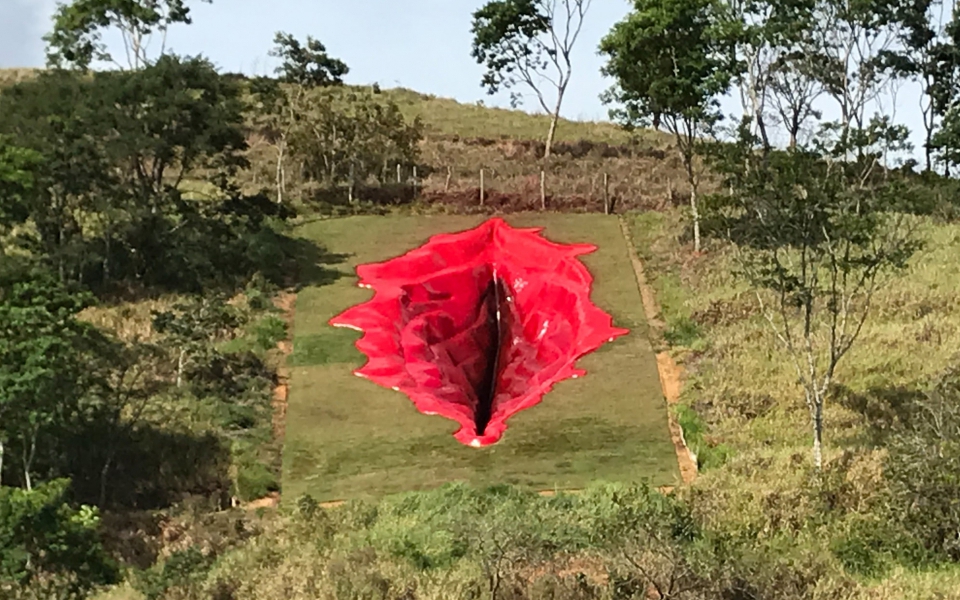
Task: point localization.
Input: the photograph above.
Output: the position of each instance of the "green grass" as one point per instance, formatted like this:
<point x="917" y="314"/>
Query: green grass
<point x="744" y="377"/>
<point x="741" y="399"/>
<point x="347" y="437"/>
<point x="445" y="116"/>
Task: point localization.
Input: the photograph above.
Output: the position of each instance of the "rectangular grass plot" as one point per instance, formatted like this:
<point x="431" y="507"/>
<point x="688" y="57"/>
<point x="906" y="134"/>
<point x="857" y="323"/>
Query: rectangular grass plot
<point x="347" y="436"/>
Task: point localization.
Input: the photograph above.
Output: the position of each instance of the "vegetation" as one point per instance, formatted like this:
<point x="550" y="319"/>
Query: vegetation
<point x="150" y="215"/>
<point x="529" y="42"/>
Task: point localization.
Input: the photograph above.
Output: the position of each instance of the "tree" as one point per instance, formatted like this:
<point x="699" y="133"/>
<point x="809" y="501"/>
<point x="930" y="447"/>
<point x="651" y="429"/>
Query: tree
<point x="51" y="363"/>
<point x="940" y="69"/>
<point x="50" y="546"/>
<point x="108" y="203"/>
<point x="851" y="41"/>
<point x="529" y="42"/>
<point x="303" y="67"/>
<point x="77" y="36"/>
<point x="669" y="62"/>
<point x="773" y="46"/>
<point x="16" y="182"/>
<point x="926" y="55"/>
<point x="816" y="241"/>
<point x="191" y="326"/>
<point x="350" y="137"/>
<point x="133" y="383"/>
<point x="53" y="117"/>
<point x="306" y="65"/>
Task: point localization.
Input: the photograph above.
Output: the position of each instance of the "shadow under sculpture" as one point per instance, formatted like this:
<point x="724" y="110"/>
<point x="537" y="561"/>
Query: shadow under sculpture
<point x="478" y="325"/>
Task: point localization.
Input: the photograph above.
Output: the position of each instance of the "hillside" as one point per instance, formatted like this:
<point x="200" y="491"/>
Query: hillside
<point x="758" y="522"/>
<point x="461" y="139"/>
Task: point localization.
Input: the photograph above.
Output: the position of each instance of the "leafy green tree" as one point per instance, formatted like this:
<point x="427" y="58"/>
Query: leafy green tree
<point x="192" y="326"/>
<point x="134" y="382"/>
<point x="50" y="547"/>
<point x="307" y="65"/>
<point x="940" y="69"/>
<point x="108" y="203"/>
<point x="303" y="67"/>
<point x="78" y="26"/>
<point x="775" y="50"/>
<point x="16" y="182"/>
<point x="52" y="116"/>
<point x="928" y="56"/>
<point x="51" y="364"/>
<point x="350" y="137"/>
<point x="670" y="64"/>
<point x="529" y="42"/>
<point x="816" y="241"/>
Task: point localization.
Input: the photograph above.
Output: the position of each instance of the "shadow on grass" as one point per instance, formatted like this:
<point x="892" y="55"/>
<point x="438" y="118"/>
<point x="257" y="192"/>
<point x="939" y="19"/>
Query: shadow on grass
<point x="886" y="409"/>
<point x="315" y="265"/>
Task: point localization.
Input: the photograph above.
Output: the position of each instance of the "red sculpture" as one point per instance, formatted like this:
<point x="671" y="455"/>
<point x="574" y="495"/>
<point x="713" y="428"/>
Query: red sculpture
<point x="477" y="326"/>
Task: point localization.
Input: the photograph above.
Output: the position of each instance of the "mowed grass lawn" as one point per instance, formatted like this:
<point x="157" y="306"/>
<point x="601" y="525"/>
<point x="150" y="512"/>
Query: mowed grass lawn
<point x="349" y="438"/>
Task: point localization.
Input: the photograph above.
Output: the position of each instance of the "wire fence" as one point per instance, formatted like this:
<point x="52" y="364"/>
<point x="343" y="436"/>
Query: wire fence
<point x="599" y="191"/>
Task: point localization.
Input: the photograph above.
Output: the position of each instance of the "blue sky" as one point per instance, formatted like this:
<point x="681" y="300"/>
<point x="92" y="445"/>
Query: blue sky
<point x="419" y="44"/>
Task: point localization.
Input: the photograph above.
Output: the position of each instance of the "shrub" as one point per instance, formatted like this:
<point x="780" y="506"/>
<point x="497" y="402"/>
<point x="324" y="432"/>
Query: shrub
<point x="45" y="541"/>
<point x="682" y="331"/>
<point x="709" y="456"/>
<point x="183" y="571"/>
<point x="269" y="331"/>
<point x="255" y="480"/>
<point x="924" y="469"/>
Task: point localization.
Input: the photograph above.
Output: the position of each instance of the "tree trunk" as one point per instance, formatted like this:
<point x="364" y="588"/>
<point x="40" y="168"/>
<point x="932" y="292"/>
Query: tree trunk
<point x="817" y="422"/>
<point x="183" y="354"/>
<point x="28" y="461"/>
<point x="553" y="126"/>
<point x="106" y="259"/>
<point x="1" y="463"/>
<point x="60" y="269"/>
<point x="281" y="178"/>
<point x="103" y="480"/>
<point x="696" y="218"/>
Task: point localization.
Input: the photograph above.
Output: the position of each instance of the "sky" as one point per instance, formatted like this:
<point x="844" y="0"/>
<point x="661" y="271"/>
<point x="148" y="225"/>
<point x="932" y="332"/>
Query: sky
<point x="423" y="45"/>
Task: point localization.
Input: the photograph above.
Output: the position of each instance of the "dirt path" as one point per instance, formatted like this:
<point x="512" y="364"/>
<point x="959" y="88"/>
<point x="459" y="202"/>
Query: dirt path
<point x="285" y="301"/>
<point x="671" y="374"/>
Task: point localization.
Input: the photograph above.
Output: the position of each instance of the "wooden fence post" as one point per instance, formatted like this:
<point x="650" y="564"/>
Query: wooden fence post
<point x="543" y="190"/>
<point x="414" y="181"/>
<point x="350" y="189"/>
<point x="398" y="174"/>
<point x="606" y="195"/>
<point x="446" y="185"/>
<point x="481" y="187"/>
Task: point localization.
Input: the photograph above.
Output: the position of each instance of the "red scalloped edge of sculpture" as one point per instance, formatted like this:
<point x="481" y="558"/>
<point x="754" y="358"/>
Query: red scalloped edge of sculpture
<point x="477" y="326"/>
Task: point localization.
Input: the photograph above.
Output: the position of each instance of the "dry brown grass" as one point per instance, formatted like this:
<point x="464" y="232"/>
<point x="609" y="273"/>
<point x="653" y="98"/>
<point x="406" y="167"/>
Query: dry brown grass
<point x="642" y="168"/>
<point x="742" y="382"/>
<point x="16" y="75"/>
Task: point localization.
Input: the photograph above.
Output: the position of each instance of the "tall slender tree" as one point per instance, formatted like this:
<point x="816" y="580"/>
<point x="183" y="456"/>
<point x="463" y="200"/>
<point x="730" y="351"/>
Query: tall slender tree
<point x="529" y="42"/>
<point x="671" y="63"/>
<point x="78" y="26"/>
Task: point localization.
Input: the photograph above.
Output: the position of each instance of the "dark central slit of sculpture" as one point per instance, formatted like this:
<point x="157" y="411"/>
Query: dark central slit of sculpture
<point x="492" y="304"/>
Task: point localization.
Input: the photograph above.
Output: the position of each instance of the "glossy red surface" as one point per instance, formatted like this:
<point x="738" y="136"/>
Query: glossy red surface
<point x="478" y="325"/>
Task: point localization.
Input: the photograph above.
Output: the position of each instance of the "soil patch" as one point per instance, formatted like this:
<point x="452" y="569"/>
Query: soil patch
<point x="285" y="301"/>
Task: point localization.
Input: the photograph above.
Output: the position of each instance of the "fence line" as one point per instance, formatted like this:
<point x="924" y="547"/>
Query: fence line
<point x="607" y="199"/>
